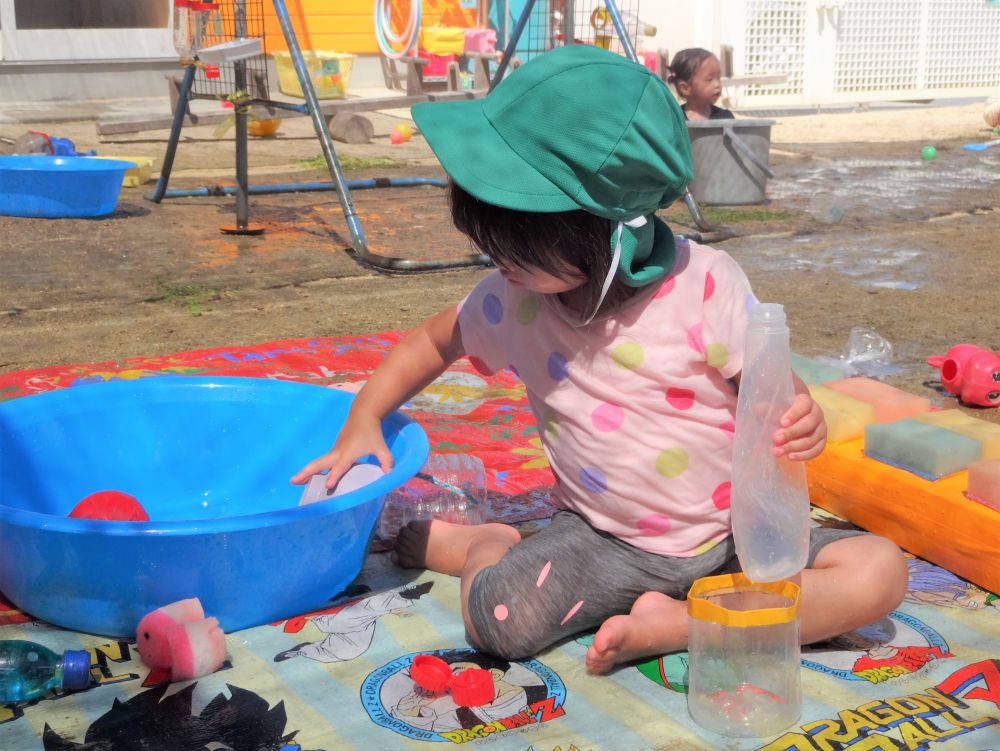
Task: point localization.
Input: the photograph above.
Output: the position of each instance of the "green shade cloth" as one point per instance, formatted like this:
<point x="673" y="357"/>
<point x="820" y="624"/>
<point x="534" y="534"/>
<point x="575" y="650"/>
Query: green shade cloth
<point x="576" y="128"/>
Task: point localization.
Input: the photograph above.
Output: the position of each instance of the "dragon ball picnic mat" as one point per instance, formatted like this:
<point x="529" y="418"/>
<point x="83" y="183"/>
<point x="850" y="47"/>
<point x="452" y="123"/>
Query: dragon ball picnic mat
<point x="925" y="677"/>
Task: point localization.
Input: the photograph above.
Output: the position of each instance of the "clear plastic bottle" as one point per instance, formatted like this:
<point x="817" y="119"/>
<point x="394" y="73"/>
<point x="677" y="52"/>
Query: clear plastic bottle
<point x="29" y="670"/>
<point x="450" y="487"/>
<point x="770" y="497"/>
<point x="33" y="142"/>
<point x="197" y="24"/>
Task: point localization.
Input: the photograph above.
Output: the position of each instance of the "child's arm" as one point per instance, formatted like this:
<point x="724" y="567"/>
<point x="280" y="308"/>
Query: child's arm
<point x="422" y="356"/>
<point x="803" y="429"/>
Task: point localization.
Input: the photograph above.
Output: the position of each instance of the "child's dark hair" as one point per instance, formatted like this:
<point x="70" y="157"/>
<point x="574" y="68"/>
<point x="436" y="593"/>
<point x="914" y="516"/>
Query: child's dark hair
<point x="559" y="243"/>
<point x="685" y="64"/>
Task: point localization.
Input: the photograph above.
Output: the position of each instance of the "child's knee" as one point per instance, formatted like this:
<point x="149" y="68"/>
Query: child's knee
<point x="879" y="573"/>
<point x="511" y="641"/>
<point x="888" y="564"/>
<point x="503" y="631"/>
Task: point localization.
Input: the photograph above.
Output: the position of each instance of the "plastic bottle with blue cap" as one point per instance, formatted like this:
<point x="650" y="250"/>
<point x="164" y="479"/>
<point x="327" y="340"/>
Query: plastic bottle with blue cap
<point x="29" y="670"/>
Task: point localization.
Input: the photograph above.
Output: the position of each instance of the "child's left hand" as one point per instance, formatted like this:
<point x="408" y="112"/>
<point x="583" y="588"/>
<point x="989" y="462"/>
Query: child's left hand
<point x="802" y="435"/>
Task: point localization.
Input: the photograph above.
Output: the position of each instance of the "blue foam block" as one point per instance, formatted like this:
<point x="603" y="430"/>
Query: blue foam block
<point x="813" y="372"/>
<point x="925" y="450"/>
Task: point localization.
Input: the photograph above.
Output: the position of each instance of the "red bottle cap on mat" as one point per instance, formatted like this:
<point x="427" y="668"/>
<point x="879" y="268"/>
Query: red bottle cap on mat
<point x="473" y="688"/>
<point x="430" y="673"/>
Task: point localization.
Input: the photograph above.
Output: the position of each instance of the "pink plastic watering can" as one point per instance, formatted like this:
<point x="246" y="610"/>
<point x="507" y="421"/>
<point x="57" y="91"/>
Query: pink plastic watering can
<point x="971" y="372"/>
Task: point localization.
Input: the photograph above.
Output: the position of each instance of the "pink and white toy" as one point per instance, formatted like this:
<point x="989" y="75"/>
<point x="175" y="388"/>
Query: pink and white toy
<point x="179" y="638"/>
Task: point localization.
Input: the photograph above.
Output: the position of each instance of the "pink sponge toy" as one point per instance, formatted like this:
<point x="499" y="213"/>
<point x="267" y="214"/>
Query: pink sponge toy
<point x="179" y="638"/>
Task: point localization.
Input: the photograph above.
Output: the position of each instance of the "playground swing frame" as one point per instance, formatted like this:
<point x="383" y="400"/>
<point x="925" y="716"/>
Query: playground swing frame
<point x="339" y="183"/>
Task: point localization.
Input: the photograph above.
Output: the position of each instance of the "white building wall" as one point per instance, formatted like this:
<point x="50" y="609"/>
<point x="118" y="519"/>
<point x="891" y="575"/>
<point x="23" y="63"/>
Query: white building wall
<point x="840" y="51"/>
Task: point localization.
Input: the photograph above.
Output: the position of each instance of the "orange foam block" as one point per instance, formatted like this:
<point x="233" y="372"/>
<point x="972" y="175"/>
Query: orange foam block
<point x="845" y="416"/>
<point x="933" y="520"/>
<point x="890" y="403"/>
<point x="984" y="483"/>
<point x="987" y="433"/>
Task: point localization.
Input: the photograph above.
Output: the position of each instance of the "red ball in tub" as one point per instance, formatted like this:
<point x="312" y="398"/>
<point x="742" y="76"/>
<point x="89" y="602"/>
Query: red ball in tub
<point x="110" y="505"/>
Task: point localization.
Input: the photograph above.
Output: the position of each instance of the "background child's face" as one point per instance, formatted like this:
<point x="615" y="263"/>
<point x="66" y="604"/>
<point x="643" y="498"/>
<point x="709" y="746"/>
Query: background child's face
<point x="705" y="86"/>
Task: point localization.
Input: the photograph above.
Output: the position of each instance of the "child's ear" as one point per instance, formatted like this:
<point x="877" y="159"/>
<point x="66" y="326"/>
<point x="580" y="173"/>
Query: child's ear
<point x="684" y="89"/>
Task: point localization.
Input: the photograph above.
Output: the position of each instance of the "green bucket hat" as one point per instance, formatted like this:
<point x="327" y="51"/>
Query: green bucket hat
<point x="575" y="128"/>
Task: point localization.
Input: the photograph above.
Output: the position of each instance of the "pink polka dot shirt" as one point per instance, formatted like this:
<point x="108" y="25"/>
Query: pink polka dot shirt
<point x="636" y="410"/>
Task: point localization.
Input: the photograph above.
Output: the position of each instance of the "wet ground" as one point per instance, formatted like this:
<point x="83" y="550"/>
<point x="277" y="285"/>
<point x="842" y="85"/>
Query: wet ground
<point x="855" y="234"/>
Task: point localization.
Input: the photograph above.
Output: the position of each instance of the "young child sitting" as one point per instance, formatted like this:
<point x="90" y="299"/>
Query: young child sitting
<point x="629" y="342"/>
<point x="697" y="77"/>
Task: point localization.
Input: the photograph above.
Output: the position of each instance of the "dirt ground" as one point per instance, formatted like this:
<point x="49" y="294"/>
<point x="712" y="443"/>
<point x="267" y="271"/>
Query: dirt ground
<point x="859" y="230"/>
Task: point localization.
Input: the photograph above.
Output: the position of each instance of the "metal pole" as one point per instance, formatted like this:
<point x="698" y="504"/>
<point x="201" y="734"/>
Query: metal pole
<point x="508" y="52"/>
<point x="623" y="37"/>
<point x="240" y="109"/>
<point x="175" y="134"/>
<point x="358" y="241"/>
<point x="242" y="177"/>
<point x="616" y="19"/>
<point x="569" y="22"/>
<point x="254" y="190"/>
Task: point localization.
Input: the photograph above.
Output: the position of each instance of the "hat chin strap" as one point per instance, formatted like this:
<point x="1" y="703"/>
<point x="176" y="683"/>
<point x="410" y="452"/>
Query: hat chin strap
<point x="639" y="221"/>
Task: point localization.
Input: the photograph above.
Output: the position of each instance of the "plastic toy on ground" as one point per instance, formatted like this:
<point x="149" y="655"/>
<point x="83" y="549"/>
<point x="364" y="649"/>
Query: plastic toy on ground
<point x="29" y="671"/>
<point x="56" y="187"/>
<point x="472" y="687"/>
<point x="971" y="372"/>
<point x="430" y="673"/>
<point x="211" y="459"/>
<point x="263" y="127"/>
<point x="179" y="638"/>
<point x="982" y="146"/>
<point x="37" y="142"/>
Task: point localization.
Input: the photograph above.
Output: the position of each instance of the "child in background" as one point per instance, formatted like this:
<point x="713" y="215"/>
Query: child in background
<point x="629" y="342"/>
<point x="697" y="77"/>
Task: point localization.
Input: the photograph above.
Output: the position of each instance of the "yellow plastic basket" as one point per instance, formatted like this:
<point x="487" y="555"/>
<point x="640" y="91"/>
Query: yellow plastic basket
<point x="330" y="73"/>
<point x="135" y="176"/>
<point x="442" y="40"/>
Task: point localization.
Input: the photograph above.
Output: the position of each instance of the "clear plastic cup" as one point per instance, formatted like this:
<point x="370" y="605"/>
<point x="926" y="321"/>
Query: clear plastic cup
<point x="743" y="655"/>
<point x="449" y="487"/>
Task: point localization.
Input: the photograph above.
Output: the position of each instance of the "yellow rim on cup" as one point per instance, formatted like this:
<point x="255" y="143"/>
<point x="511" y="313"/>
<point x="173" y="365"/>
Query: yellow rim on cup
<point x="703" y="610"/>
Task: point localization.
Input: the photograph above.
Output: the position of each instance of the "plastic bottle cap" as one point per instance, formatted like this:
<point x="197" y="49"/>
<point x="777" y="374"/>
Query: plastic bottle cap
<point x="76" y="669"/>
<point x="766" y="313"/>
<point x="430" y="673"/>
<point x="473" y="688"/>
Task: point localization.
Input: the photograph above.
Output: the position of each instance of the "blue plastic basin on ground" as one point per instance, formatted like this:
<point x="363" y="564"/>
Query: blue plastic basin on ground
<point x="209" y="459"/>
<point x="56" y="187"/>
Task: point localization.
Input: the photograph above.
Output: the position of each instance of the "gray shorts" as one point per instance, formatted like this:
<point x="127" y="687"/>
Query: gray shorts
<point x="588" y="576"/>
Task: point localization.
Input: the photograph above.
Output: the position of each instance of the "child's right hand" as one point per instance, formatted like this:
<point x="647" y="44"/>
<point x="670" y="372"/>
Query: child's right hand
<point x="360" y="436"/>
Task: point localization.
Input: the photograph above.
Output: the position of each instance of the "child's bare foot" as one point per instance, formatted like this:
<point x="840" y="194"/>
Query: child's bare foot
<point x="657" y="624"/>
<point x="444" y="547"/>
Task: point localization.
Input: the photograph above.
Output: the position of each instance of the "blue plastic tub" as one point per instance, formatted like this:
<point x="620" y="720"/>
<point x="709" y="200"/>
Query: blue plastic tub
<point x="209" y="459"/>
<point x="56" y="186"/>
